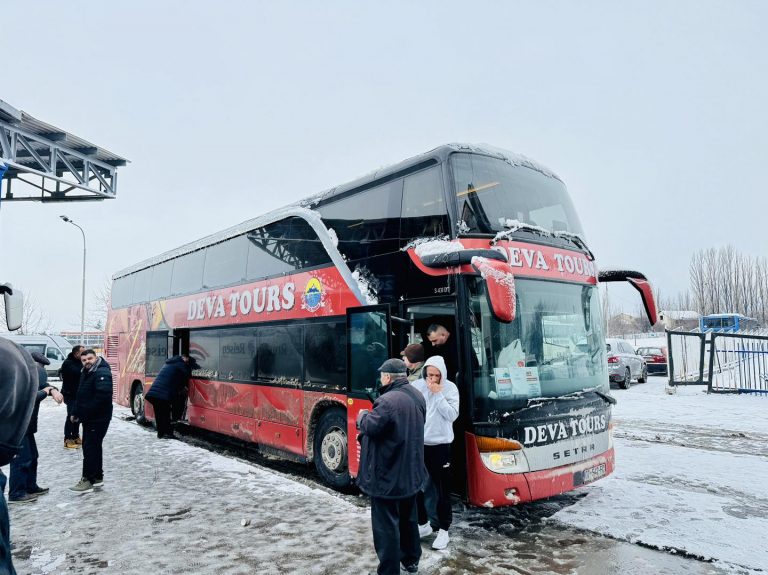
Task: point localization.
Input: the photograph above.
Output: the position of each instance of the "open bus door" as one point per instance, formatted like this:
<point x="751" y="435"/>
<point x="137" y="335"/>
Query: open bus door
<point x="369" y="344"/>
<point x="180" y="347"/>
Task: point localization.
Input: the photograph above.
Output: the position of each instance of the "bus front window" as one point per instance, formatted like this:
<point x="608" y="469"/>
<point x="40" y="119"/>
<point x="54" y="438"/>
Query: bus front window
<point x="490" y="193"/>
<point x="554" y="347"/>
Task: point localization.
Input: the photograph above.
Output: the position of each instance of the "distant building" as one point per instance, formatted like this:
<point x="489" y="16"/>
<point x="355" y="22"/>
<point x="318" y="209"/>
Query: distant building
<point x="93" y="339"/>
<point x="681" y="320"/>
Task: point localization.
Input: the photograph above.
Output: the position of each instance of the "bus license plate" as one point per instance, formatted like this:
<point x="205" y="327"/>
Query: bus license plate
<point x="589" y="475"/>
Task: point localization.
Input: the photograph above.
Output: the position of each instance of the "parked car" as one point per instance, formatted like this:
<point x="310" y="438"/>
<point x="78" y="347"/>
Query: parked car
<point x="624" y="364"/>
<point x="54" y="347"/>
<point x="655" y="358"/>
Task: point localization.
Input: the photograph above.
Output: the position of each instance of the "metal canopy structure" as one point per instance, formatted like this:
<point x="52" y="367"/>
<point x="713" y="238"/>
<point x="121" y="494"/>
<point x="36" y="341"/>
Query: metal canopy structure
<point x="47" y="164"/>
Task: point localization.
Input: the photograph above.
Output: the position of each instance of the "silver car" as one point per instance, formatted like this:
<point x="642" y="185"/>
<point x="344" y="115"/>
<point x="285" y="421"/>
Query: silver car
<point x="624" y="364"/>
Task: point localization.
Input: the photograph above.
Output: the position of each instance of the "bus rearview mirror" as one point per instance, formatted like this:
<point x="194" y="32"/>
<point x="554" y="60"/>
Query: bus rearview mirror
<point x="499" y="287"/>
<point x="639" y="282"/>
<point x="14" y="306"/>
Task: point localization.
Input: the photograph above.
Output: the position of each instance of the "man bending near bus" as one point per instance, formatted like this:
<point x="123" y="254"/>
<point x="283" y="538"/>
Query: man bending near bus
<point x="442" y="401"/>
<point x="93" y="408"/>
<point x="164" y="391"/>
<point x="392" y="468"/>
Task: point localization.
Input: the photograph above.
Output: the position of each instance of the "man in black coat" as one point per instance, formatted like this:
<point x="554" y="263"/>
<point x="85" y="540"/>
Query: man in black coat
<point x="165" y="389"/>
<point x="93" y="408"/>
<point x="23" y="485"/>
<point x="392" y="468"/>
<point x="70" y="380"/>
<point x="18" y="385"/>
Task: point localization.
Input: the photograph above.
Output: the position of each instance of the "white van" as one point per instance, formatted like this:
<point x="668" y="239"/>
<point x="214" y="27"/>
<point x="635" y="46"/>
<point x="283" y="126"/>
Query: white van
<point x="54" y="347"/>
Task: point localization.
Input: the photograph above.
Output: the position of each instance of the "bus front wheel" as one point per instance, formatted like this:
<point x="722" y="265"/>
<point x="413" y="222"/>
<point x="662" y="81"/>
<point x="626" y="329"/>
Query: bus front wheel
<point x="330" y="450"/>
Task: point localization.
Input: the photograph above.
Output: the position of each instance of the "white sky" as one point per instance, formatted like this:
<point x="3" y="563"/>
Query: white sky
<point x="654" y="113"/>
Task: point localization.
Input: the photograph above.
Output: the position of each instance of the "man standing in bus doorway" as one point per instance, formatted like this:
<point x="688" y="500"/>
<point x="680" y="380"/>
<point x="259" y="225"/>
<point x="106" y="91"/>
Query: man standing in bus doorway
<point x="70" y="376"/>
<point x="442" y="401"/>
<point x="392" y="468"/>
<point x="413" y="356"/>
<point x="165" y="389"/>
<point x="93" y="408"/>
<point x="18" y="385"/>
<point x="23" y="486"/>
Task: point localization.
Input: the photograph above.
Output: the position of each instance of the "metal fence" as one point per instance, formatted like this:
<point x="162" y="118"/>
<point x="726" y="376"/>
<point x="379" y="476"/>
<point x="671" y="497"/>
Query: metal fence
<point x="724" y="362"/>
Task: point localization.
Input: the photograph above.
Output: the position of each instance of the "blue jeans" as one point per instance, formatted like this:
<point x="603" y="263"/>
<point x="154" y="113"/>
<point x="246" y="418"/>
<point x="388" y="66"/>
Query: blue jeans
<point x="24" y="469"/>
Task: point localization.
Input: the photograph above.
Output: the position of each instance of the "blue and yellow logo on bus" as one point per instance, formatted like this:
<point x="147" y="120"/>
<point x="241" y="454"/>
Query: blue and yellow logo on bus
<point x="314" y="295"/>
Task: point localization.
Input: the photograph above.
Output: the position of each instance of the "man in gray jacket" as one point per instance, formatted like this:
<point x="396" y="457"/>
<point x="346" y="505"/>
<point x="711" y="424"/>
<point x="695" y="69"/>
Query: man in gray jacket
<point x="442" y="399"/>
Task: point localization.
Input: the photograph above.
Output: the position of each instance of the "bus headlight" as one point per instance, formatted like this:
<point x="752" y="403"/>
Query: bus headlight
<point x="502" y="455"/>
<point x="502" y="462"/>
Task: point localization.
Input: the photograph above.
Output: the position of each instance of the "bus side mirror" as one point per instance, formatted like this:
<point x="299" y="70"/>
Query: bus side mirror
<point x="499" y="287"/>
<point x="639" y="282"/>
<point x="14" y="306"/>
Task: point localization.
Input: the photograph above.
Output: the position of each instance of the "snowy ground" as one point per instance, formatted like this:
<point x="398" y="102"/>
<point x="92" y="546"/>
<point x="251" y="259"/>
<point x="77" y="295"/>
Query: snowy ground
<point x="177" y="507"/>
<point x="692" y="476"/>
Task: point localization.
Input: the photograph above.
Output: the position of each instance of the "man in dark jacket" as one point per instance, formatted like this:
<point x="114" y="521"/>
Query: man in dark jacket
<point x="18" y="384"/>
<point x="165" y="389"/>
<point x="93" y="408"/>
<point x="392" y="468"/>
<point x="70" y="380"/>
<point x="23" y="485"/>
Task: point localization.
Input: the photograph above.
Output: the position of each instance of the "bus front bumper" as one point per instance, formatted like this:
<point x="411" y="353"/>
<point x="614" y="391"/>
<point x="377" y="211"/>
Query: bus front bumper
<point x="489" y="489"/>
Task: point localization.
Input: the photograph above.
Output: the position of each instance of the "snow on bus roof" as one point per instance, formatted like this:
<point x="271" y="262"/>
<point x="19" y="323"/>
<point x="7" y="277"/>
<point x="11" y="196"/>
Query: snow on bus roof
<point x="302" y="208"/>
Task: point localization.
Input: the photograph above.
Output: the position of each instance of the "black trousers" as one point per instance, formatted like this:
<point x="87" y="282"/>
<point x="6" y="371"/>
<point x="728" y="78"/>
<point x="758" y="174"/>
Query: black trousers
<point x="395" y="533"/>
<point x="162" y="415"/>
<point x="24" y="469"/>
<point x="6" y="561"/>
<point x="71" y="430"/>
<point x="93" y="436"/>
<point x="437" y="460"/>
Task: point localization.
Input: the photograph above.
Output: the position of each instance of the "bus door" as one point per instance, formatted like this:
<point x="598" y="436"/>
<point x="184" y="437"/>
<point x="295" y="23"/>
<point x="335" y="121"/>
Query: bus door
<point x="180" y="347"/>
<point x="369" y="344"/>
<point x="422" y="314"/>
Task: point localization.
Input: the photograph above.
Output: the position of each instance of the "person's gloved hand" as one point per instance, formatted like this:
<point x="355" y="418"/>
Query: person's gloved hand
<point x="360" y="415"/>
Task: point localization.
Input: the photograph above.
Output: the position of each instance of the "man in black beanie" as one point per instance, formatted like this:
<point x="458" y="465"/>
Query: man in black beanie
<point x="392" y="468"/>
<point x="18" y="384"/>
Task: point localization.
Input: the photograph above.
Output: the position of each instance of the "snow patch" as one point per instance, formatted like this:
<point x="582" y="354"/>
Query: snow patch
<point x="418" y="241"/>
<point x="368" y="284"/>
<point x="438" y="247"/>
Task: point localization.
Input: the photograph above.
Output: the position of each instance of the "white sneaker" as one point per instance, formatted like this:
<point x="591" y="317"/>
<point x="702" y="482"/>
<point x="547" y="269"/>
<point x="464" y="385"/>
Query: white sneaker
<point x="442" y="540"/>
<point x="425" y="530"/>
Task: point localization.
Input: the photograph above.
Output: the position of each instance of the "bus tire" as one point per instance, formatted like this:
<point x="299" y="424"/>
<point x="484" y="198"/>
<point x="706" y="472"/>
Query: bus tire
<point x="331" y="455"/>
<point x="627" y="383"/>
<point x="137" y="403"/>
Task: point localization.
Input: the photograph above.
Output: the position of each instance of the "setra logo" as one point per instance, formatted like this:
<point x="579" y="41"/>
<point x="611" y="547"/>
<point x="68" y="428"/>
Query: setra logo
<point x="314" y="295"/>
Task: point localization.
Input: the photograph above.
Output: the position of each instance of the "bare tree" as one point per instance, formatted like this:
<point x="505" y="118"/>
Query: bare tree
<point x="34" y="320"/>
<point x="96" y="317"/>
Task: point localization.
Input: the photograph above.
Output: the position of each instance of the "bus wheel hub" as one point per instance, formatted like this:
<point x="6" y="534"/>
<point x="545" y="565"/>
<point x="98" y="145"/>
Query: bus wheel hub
<point x="334" y="450"/>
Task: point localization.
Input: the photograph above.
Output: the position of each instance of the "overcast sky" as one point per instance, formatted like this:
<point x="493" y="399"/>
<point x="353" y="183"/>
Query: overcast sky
<point x="654" y="114"/>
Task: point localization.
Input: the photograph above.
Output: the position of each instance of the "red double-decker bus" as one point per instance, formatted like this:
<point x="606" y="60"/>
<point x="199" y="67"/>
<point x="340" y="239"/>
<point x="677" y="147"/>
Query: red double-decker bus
<point x="290" y="314"/>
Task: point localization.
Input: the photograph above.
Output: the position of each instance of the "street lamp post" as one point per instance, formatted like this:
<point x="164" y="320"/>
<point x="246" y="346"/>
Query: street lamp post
<point x="82" y="300"/>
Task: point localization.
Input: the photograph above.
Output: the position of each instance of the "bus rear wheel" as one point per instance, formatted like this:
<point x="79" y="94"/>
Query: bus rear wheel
<point x="330" y="450"/>
<point x="137" y="404"/>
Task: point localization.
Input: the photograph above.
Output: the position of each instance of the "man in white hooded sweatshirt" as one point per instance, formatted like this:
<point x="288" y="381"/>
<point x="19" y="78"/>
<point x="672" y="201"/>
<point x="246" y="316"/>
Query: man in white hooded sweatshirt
<point x="442" y="398"/>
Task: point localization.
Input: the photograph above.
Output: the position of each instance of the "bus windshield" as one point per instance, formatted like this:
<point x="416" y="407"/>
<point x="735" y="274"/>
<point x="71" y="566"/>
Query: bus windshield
<point x="491" y="193"/>
<point x="554" y="346"/>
